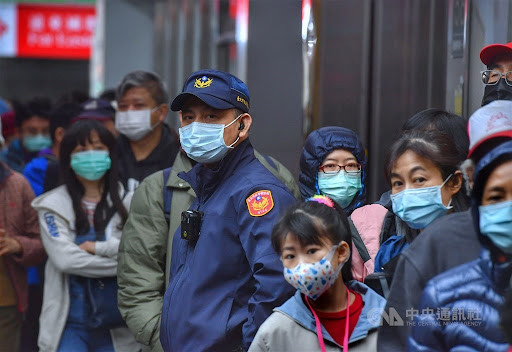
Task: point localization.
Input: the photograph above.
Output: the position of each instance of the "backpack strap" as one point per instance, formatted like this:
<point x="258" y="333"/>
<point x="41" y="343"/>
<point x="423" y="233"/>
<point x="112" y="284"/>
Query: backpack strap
<point x="358" y="242"/>
<point x="167" y="196"/>
<point x="270" y="161"/>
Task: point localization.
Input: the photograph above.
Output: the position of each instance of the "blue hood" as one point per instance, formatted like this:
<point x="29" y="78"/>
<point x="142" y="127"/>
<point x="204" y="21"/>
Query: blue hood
<point x="322" y="142"/>
<point x="487" y="164"/>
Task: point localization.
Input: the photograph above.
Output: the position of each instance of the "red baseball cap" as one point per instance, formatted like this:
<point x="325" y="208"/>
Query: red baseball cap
<point x="491" y="52"/>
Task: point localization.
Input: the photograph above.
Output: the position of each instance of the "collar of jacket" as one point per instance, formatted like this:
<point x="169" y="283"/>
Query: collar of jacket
<point x="498" y="273"/>
<point x="161" y="150"/>
<point x="204" y="180"/>
<point x="368" y="320"/>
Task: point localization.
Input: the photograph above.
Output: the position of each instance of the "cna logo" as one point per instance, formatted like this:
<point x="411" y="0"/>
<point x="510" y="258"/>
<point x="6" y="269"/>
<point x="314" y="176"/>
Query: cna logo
<point x="378" y="315"/>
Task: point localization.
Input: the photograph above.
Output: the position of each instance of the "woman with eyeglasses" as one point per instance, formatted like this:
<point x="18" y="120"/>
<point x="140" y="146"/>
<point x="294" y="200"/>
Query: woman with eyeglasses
<point x="333" y="163"/>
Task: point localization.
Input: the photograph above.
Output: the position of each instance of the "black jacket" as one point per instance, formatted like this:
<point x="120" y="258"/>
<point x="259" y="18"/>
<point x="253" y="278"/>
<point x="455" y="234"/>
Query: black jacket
<point x="448" y="242"/>
<point x="132" y="172"/>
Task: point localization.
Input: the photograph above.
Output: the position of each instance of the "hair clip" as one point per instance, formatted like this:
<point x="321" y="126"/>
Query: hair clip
<point x="322" y="200"/>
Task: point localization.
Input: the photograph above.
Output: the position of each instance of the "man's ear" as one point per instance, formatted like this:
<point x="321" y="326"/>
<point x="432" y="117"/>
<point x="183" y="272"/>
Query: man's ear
<point x="59" y="134"/>
<point x="163" y="110"/>
<point x="245" y="121"/>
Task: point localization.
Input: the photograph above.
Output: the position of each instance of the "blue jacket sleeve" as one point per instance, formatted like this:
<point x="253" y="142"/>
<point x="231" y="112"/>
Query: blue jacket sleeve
<point x="427" y="331"/>
<point x="35" y="172"/>
<point x="271" y="290"/>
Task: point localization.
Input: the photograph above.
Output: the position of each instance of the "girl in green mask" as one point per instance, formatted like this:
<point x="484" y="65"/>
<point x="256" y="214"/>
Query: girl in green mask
<point x="81" y="223"/>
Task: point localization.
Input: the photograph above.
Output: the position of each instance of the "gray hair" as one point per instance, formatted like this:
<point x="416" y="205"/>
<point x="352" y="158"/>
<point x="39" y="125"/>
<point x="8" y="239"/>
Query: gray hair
<point x="144" y="79"/>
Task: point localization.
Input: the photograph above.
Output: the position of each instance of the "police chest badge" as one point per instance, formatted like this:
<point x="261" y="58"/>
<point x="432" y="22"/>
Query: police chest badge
<point x="260" y="203"/>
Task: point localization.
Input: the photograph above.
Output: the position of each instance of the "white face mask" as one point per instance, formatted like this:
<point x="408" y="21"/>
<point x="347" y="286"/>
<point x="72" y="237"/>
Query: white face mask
<point x="135" y="124"/>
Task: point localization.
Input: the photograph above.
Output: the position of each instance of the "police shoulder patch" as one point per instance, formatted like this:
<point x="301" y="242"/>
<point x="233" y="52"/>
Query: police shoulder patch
<point x="260" y="203"/>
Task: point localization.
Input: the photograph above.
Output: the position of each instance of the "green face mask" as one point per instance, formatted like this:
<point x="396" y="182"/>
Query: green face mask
<point x="91" y="164"/>
<point x="341" y="187"/>
<point x="37" y="142"/>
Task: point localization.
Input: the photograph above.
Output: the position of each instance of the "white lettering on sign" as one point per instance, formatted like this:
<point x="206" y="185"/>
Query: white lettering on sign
<point x="90" y="23"/>
<point x="36" y="23"/>
<point x="55" y="23"/>
<point x="74" y="24"/>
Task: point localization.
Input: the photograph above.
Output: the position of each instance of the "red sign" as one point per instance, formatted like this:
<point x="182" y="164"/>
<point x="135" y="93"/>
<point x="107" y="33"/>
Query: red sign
<point x="57" y="32"/>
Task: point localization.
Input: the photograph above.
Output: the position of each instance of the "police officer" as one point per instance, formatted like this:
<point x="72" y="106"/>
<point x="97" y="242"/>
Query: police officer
<point x="225" y="278"/>
<point x="146" y="246"/>
<point x="498" y="75"/>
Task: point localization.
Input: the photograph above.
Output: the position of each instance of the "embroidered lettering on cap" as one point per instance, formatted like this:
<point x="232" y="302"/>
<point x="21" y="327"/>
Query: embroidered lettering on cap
<point x="203" y="82"/>
<point x="52" y="227"/>
<point x="260" y="203"/>
<point x="243" y="101"/>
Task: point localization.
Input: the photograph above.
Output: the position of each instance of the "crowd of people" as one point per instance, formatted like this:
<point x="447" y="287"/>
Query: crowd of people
<point x="118" y="233"/>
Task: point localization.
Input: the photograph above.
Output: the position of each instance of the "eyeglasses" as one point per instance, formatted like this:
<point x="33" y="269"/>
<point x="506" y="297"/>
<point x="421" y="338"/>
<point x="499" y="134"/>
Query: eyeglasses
<point x="351" y="168"/>
<point x="491" y="77"/>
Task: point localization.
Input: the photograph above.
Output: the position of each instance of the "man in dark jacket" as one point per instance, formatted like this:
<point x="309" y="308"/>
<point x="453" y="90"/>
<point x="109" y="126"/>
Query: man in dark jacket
<point x="145" y="144"/>
<point x="447" y="242"/>
<point x="225" y="277"/>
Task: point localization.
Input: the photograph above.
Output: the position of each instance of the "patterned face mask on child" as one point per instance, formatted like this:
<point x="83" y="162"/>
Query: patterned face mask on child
<point x="313" y="279"/>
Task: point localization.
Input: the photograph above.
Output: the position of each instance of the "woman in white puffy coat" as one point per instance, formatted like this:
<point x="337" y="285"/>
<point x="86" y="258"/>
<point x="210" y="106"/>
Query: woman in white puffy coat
<point x="81" y="224"/>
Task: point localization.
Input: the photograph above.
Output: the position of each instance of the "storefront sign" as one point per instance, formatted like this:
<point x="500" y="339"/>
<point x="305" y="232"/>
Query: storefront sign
<point x="49" y="31"/>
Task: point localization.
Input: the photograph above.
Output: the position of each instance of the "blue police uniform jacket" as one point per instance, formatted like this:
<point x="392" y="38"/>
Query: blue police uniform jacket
<point x="224" y="287"/>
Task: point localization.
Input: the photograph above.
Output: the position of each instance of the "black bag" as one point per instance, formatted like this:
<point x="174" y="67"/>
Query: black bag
<point x="102" y="296"/>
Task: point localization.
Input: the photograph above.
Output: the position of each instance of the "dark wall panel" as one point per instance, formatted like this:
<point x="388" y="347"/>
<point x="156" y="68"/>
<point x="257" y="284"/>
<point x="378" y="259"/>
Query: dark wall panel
<point x="407" y="72"/>
<point x="274" y="77"/>
<point x="24" y="78"/>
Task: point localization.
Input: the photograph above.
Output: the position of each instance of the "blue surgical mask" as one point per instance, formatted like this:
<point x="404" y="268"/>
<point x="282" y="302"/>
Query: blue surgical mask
<point x="340" y="187"/>
<point x="496" y="224"/>
<point x="91" y="164"/>
<point x="204" y="142"/>
<point x="418" y="207"/>
<point x="37" y="143"/>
